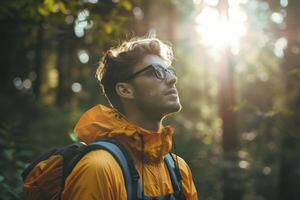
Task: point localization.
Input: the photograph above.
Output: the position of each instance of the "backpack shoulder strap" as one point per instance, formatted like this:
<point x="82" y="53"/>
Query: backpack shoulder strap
<point x="175" y="175"/>
<point x="117" y="153"/>
<point x="127" y="164"/>
<point x="121" y="155"/>
<point x="72" y="154"/>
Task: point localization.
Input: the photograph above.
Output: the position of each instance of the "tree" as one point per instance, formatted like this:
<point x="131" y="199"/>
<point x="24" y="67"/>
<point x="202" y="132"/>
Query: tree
<point x="290" y="160"/>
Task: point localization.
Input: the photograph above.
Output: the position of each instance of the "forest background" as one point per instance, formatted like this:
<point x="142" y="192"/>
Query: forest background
<point x="238" y="77"/>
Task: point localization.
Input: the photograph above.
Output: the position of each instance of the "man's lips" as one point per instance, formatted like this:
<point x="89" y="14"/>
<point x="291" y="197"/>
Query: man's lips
<point x="171" y="92"/>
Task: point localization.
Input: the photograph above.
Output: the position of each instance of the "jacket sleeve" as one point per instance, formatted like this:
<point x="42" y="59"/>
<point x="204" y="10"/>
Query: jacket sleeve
<point x="97" y="176"/>
<point x="188" y="185"/>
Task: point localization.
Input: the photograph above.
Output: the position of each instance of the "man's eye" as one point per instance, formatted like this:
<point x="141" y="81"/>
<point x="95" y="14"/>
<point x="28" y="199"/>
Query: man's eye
<point x="149" y="73"/>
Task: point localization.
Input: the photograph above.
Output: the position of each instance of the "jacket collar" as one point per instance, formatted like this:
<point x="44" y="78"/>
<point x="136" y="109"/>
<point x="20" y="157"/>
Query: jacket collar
<point x="102" y="122"/>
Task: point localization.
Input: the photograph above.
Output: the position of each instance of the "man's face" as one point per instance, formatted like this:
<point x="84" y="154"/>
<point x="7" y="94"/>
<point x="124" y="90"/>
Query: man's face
<point x="154" y="96"/>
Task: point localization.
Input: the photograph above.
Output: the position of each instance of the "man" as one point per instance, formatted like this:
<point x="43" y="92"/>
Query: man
<point x="139" y="82"/>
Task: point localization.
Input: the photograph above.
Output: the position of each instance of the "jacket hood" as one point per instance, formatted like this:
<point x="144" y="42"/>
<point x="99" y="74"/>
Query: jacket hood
<point x="102" y="122"/>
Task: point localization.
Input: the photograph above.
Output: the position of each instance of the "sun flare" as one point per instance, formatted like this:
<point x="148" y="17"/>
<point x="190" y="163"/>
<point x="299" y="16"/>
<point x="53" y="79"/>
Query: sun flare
<point x="217" y="30"/>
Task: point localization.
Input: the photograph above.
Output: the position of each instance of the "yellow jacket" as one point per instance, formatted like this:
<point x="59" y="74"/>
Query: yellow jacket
<point x="98" y="176"/>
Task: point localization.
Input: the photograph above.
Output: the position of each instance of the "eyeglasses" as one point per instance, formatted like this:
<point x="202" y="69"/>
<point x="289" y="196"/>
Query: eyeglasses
<point x="159" y="71"/>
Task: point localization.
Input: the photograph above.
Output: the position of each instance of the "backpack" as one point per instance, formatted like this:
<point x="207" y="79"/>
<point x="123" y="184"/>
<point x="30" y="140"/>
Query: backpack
<point x="45" y="177"/>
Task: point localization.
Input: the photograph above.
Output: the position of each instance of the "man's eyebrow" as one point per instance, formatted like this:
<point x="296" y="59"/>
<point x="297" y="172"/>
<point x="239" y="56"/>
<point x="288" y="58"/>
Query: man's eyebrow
<point x="162" y="65"/>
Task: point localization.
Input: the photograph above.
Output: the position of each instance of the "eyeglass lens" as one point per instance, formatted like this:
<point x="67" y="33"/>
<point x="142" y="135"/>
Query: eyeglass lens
<point x="161" y="72"/>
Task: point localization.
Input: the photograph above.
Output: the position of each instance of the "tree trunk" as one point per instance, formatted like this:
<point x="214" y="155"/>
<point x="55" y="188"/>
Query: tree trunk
<point x="290" y="160"/>
<point x="142" y="26"/>
<point x="7" y="51"/>
<point x="65" y="62"/>
<point x="171" y="34"/>
<point x="231" y="178"/>
<point x="38" y="59"/>
<point x="61" y="69"/>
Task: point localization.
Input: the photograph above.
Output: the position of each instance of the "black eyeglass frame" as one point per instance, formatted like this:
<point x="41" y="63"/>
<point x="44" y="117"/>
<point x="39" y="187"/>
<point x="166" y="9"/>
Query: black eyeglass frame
<point x="155" y="67"/>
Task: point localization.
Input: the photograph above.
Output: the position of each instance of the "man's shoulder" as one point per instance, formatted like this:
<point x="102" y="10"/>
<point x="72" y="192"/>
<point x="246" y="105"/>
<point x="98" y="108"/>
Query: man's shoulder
<point x="183" y="166"/>
<point x="98" y="160"/>
<point x="179" y="159"/>
<point x="97" y="168"/>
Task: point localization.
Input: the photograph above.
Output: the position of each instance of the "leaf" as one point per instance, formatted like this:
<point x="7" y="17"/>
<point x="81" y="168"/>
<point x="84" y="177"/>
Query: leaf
<point x="1" y="178"/>
<point x="108" y="27"/>
<point x="73" y="137"/>
<point x="50" y="4"/>
<point x="43" y="11"/>
<point x="127" y="5"/>
<point x="295" y="72"/>
<point x="63" y="8"/>
<point x="9" y="154"/>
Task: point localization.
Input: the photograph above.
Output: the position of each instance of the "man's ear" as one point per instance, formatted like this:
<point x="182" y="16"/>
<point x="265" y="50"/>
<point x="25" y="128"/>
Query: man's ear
<point x="125" y="90"/>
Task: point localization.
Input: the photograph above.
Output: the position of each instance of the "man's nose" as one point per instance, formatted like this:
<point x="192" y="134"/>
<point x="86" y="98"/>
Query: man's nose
<point x="171" y="78"/>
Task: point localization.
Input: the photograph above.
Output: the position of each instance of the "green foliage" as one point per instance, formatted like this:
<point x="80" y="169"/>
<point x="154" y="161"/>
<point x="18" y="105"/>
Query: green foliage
<point x="25" y="135"/>
<point x="74" y="137"/>
<point x="12" y="155"/>
<point x="50" y="6"/>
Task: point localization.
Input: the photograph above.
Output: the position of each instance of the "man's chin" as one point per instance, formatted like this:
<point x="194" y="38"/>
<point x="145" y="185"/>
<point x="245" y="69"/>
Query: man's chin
<point x="174" y="108"/>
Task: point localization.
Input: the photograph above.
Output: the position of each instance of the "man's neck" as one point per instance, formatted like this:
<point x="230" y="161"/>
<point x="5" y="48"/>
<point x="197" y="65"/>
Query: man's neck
<point x="144" y="121"/>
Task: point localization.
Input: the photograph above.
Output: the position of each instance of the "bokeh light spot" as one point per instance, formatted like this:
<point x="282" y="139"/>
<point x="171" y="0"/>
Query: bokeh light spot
<point x="83" y="56"/>
<point x="277" y="17"/>
<point x="69" y="19"/>
<point x="267" y="170"/>
<point x="93" y="1"/>
<point x="138" y="13"/>
<point x="76" y="87"/>
<point x="18" y="83"/>
<point x="243" y="164"/>
<point x="284" y="3"/>
<point x="279" y="47"/>
<point x="211" y="2"/>
<point x="27" y="84"/>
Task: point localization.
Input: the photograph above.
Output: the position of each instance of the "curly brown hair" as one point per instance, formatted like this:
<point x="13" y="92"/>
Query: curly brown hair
<point x="117" y="64"/>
